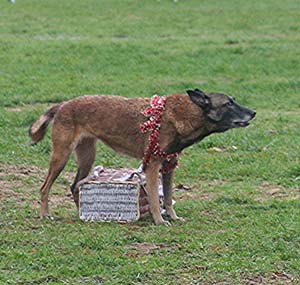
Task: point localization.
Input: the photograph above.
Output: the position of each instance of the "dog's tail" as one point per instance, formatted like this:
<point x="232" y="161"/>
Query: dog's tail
<point x="38" y="129"/>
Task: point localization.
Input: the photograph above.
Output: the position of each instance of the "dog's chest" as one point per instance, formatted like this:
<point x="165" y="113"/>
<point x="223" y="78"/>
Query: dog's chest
<point x="180" y="144"/>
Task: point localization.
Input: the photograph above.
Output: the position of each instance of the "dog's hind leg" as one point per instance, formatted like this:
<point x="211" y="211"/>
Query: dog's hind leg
<point x="62" y="147"/>
<point x="57" y="164"/>
<point x="85" y="154"/>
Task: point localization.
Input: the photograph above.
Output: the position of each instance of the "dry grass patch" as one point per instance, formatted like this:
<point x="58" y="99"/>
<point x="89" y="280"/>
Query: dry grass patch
<point x="269" y="191"/>
<point x="21" y="184"/>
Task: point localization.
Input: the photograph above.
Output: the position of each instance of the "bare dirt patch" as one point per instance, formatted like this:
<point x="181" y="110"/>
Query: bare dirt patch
<point x="269" y="191"/>
<point x="12" y="179"/>
<point x="196" y="192"/>
<point x="138" y="249"/>
<point x="192" y="195"/>
<point x="21" y="184"/>
<point x="276" y="278"/>
<point x="144" y="247"/>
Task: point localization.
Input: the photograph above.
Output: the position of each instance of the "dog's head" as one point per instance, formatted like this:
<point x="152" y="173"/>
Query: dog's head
<point x="222" y="110"/>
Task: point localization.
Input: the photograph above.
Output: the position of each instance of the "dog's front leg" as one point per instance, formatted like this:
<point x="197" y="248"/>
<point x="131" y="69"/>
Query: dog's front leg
<point x="152" y="173"/>
<point x="167" y="180"/>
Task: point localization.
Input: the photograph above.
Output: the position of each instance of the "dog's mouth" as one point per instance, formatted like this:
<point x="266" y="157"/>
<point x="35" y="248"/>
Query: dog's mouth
<point x="240" y="124"/>
<point x="245" y="120"/>
<point x="243" y="123"/>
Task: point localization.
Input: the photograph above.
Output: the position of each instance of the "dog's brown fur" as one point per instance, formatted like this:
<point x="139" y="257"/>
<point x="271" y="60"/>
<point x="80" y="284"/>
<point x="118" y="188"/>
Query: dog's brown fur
<point x="78" y="123"/>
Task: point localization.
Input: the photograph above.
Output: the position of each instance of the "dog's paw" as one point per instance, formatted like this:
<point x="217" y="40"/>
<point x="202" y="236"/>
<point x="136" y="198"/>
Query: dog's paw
<point x="179" y="219"/>
<point x="166" y="223"/>
<point x="163" y="222"/>
<point x="50" y="218"/>
<point x="171" y="214"/>
<point x="43" y="217"/>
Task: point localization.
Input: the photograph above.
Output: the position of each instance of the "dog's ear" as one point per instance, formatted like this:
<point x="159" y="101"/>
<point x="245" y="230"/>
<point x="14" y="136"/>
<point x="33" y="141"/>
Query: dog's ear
<point x="199" y="98"/>
<point x="198" y="91"/>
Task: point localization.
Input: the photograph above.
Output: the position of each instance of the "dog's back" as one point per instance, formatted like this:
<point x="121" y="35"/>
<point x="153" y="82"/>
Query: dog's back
<point x="113" y="119"/>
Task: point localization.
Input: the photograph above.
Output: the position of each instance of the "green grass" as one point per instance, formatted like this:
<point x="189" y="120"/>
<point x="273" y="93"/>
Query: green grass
<point x="243" y="212"/>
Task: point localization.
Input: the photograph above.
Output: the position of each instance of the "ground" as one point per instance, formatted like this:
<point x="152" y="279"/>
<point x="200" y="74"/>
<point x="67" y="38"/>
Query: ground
<point x="241" y="205"/>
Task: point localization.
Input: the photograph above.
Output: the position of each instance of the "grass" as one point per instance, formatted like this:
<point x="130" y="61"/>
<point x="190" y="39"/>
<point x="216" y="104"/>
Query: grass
<point x="243" y="210"/>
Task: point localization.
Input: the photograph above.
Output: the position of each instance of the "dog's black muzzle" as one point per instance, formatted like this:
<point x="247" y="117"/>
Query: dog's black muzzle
<point x="245" y="121"/>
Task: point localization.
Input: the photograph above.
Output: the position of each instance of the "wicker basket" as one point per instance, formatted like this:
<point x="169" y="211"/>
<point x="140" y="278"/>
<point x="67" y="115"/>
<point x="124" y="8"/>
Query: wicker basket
<point x="113" y="195"/>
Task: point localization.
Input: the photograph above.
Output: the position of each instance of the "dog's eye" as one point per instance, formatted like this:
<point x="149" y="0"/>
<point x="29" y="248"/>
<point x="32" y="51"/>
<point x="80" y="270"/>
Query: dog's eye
<point x="230" y="102"/>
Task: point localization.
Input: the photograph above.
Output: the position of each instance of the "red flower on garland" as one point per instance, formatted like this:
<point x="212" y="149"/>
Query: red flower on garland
<point x="154" y="113"/>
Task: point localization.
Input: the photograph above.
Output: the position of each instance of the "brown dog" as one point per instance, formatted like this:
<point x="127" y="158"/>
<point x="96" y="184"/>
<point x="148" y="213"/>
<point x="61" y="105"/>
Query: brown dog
<point x="78" y="123"/>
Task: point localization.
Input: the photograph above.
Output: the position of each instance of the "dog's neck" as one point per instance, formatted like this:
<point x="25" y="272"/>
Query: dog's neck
<point x="179" y="143"/>
<point x="191" y="127"/>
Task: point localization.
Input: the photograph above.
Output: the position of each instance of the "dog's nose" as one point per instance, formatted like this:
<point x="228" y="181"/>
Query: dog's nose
<point x="253" y="114"/>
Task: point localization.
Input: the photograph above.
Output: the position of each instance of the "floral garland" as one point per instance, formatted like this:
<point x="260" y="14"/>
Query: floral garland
<point x="154" y="113"/>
